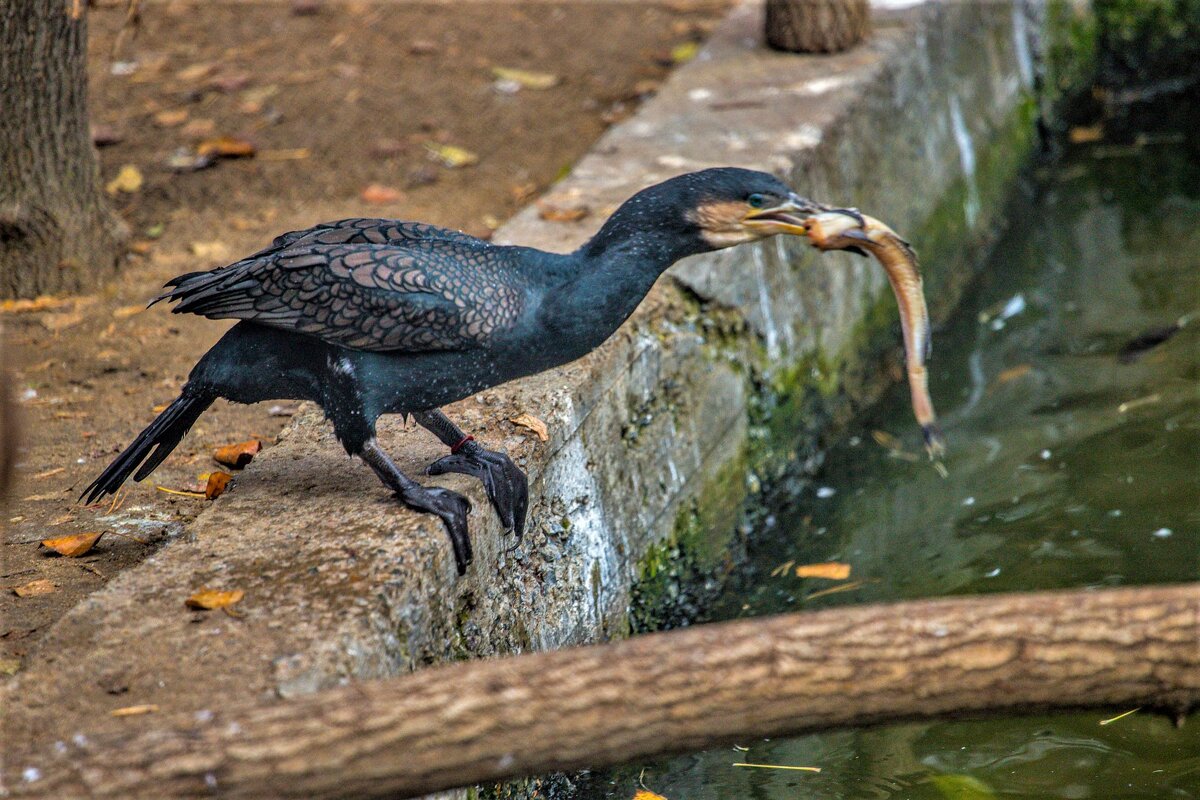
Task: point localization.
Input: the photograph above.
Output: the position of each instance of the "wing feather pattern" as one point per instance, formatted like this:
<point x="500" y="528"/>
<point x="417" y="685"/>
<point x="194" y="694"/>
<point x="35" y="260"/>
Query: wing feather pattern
<point x="368" y="284"/>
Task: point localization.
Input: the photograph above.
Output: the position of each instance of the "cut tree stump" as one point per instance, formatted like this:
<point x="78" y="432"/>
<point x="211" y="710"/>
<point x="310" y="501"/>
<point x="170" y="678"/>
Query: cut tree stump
<point x="660" y="693"/>
<point x="817" y="26"/>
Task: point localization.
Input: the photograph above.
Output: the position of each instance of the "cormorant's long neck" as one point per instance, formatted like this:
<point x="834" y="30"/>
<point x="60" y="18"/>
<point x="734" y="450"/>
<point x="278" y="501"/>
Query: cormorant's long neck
<point x="612" y="273"/>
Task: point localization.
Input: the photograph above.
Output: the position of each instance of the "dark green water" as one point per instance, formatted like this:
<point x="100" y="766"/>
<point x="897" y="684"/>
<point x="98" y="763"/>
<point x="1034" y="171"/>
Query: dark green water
<point x="1053" y="483"/>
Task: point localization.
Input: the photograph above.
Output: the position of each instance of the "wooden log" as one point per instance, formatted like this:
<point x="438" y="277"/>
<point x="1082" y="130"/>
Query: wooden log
<point x="817" y="26"/>
<point x="660" y="693"/>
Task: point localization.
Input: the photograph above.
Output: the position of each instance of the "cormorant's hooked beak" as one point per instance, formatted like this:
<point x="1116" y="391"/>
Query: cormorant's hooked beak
<point x="790" y="217"/>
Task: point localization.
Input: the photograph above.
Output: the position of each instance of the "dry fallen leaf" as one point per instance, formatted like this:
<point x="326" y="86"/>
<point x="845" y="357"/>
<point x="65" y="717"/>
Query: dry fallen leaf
<point x="34" y="588"/>
<point x="833" y="571"/>
<point x="62" y="321"/>
<point x="196" y="71"/>
<point x="684" y="52"/>
<point x="378" y="194"/>
<point x="1012" y="373"/>
<point x="74" y="545"/>
<point x="645" y="794"/>
<point x="1085" y="134"/>
<point x="10" y="666"/>
<point x="526" y="78"/>
<point x="209" y="599"/>
<point x="171" y="118"/>
<point x="451" y="156"/>
<point x="125" y="312"/>
<point x="129" y="179"/>
<point x="216" y="251"/>
<point x="237" y="455"/>
<point x="553" y="211"/>
<point x="534" y="424"/>
<point x="43" y="302"/>
<point x="217" y="482"/>
<point x="133" y="711"/>
<point x="285" y="154"/>
<point x="226" y="147"/>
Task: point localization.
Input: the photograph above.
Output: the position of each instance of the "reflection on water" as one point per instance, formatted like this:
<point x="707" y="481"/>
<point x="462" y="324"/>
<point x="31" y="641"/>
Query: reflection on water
<point x="1070" y="465"/>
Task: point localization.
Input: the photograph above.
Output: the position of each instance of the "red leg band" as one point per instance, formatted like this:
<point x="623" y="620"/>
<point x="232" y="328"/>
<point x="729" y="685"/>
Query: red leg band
<point x="463" y="441"/>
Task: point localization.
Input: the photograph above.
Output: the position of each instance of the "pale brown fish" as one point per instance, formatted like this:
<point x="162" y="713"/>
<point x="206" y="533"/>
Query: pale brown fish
<point x="850" y="230"/>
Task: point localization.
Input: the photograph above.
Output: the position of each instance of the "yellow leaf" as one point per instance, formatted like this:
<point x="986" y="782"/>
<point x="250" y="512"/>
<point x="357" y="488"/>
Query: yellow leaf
<point x="208" y="599"/>
<point x="43" y="302"/>
<point x="644" y="794"/>
<point x="74" y="545"/>
<point x="832" y="570"/>
<point x="530" y="80"/>
<point x="34" y="588"/>
<point x="237" y="455"/>
<point x="133" y="711"/>
<point x="61" y="321"/>
<point x="534" y="424"/>
<point x="129" y="179"/>
<point x="451" y="156"/>
<point x="684" y="52"/>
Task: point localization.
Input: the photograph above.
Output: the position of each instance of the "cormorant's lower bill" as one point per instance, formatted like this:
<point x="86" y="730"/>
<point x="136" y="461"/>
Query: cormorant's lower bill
<point x="376" y="316"/>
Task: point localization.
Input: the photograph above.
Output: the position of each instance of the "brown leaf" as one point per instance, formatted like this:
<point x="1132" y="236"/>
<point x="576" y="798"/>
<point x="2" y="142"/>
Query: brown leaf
<point x="554" y="211"/>
<point x="215" y="251"/>
<point x="1012" y="373"/>
<point x="199" y="129"/>
<point x="196" y="71"/>
<point x="125" y="312"/>
<point x="832" y="570"/>
<point x="133" y="711"/>
<point x="74" y="545"/>
<point x="171" y="117"/>
<point x="43" y="302"/>
<point x="534" y="424"/>
<point x="378" y="194"/>
<point x="1085" y="134"/>
<point x="226" y="147"/>
<point x="34" y="588"/>
<point x="208" y="599"/>
<point x="238" y="455"/>
<point x="59" y="322"/>
<point x="217" y="481"/>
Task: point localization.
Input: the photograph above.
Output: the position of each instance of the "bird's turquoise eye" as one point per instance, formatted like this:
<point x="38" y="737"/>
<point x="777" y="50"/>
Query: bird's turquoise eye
<point x="756" y="200"/>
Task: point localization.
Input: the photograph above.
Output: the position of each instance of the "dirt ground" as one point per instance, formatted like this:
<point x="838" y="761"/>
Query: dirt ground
<point x="334" y="97"/>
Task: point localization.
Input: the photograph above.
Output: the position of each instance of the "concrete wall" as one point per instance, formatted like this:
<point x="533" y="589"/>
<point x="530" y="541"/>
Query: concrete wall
<point x="736" y="361"/>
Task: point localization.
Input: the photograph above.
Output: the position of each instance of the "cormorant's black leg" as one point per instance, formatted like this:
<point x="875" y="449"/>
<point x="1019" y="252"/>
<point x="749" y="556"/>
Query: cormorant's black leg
<point x="450" y="506"/>
<point x="506" y="485"/>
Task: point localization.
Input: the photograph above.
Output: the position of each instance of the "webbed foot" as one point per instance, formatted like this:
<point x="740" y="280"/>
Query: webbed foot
<point x="453" y="509"/>
<point x="505" y="483"/>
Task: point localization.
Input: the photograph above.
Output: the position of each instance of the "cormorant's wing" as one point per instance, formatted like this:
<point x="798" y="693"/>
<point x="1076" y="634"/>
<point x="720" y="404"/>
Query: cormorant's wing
<point x="415" y="295"/>
<point x="362" y="230"/>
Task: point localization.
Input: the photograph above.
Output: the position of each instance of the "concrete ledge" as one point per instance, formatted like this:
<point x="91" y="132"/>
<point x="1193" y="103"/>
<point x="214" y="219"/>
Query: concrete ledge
<point x="652" y="437"/>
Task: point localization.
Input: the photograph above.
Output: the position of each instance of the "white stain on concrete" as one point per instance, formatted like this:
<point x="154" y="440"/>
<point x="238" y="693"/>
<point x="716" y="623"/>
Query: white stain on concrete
<point x="1021" y="45"/>
<point x="966" y="155"/>
<point x="819" y="86"/>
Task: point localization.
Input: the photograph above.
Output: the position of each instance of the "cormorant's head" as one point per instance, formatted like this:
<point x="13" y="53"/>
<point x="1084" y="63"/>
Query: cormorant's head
<point x="730" y="206"/>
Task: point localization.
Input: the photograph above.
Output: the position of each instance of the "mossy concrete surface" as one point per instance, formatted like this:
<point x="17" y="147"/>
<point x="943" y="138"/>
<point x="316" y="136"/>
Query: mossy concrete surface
<point x="735" y="361"/>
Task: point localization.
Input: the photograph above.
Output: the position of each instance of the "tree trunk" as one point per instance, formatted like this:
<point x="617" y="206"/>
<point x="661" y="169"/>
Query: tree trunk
<point x="667" y="692"/>
<point x="57" y="233"/>
<point x="817" y="26"/>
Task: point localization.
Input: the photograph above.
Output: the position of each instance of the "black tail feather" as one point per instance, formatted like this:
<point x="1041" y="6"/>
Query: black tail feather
<point x="161" y="437"/>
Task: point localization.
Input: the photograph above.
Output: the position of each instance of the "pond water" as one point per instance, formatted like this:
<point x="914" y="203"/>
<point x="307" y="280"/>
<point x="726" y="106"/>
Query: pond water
<point x="1074" y="462"/>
